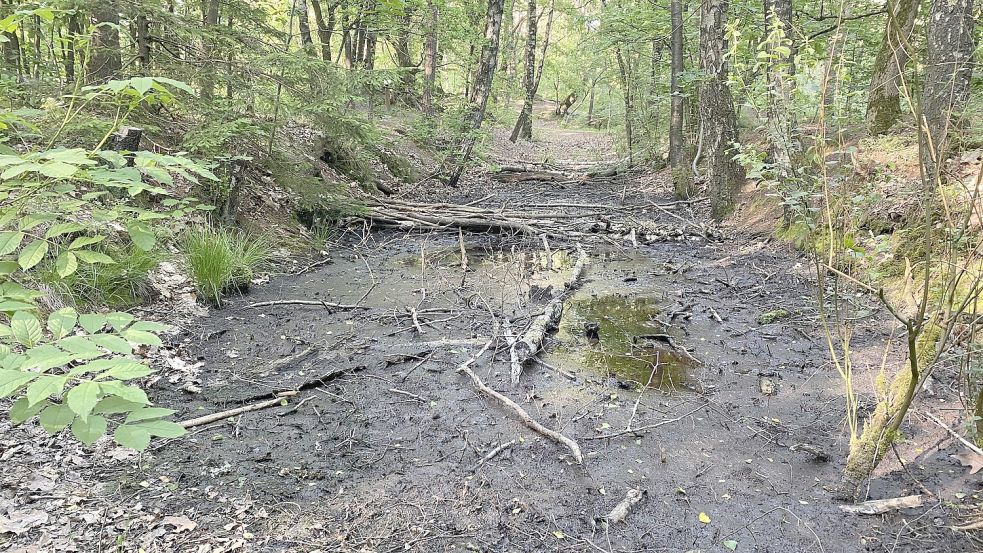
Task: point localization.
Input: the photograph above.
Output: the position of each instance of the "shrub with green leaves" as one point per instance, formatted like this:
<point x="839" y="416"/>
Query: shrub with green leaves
<point x="221" y="260"/>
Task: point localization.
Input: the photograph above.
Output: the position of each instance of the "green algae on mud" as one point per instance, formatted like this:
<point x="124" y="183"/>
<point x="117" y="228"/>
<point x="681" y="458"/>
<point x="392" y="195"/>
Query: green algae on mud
<point x="617" y="353"/>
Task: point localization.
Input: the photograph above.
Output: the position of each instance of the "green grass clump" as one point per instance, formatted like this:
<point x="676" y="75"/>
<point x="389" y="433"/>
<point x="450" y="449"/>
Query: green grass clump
<point x="221" y="260"/>
<point x="122" y="284"/>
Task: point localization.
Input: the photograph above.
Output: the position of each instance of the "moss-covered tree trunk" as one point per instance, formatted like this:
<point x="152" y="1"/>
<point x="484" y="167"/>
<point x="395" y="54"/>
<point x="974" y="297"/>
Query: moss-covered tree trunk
<point x="884" y="97"/>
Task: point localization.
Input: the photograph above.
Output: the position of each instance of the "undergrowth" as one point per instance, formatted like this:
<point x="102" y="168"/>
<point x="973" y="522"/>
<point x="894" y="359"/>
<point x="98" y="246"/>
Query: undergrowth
<point x="222" y="260"/>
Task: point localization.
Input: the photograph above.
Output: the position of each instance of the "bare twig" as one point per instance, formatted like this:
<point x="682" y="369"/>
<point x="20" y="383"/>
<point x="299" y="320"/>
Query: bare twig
<point x="207" y="419"/>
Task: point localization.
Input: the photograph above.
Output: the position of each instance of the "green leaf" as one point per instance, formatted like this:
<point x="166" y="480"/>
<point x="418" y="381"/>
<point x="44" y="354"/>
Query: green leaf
<point x="90" y="429"/>
<point x="142" y="84"/>
<point x="62" y="322"/>
<point x="119" y="320"/>
<point x="148" y="413"/>
<point x="161" y="428"/>
<point x="8" y="267"/>
<point x="131" y="436"/>
<point x="12" y="380"/>
<point x="150" y="326"/>
<point x="58" y="170"/>
<point x="22" y="410"/>
<point x="63" y="228"/>
<point x="176" y="84"/>
<point x="82" y="398"/>
<point x="142" y="235"/>
<point x="35" y="219"/>
<point x="91" y="257"/>
<point x="56" y="417"/>
<point x="123" y="391"/>
<point x="141" y="337"/>
<point x="46" y="356"/>
<point x="32" y="254"/>
<point x="66" y="264"/>
<point x="83" y="241"/>
<point x="44" y="387"/>
<point x="113" y="343"/>
<point x="92" y="322"/>
<point x="26" y="328"/>
<point x="81" y="345"/>
<point x="730" y="544"/>
<point x="9" y="241"/>
<point x="128" y="370"/>
<point x="111" y="405"/>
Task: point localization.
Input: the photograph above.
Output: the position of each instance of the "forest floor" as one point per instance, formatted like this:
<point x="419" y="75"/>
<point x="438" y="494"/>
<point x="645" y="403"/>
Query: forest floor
<point x="380" y="449"/>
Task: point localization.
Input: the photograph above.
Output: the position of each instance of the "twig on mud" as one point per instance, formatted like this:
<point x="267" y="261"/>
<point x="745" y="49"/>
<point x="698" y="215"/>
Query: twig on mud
<point x="515" y="407"/>
<point x="962" y="440"/>
<point x="416" y="320"/>
<point x="646" y="427"/>
<point x="634" y="409"/>
<point x="296" y="407"/>
<point x="880" y="506"/>
<point x="324" y="304"/>
<point x="621" y="510"/>
<point x="408" y="394"/>
<point x="567" y="374"/>
<point x="292" y="358"/>
<point x="492" y="454"/>
<point x="190" y="423"/>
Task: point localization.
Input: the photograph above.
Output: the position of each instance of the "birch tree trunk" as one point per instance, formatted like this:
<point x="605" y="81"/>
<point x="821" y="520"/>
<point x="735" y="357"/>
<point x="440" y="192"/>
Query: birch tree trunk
<point x="523" y="125"/>
<point x="430" y="60"/>
<point x="724" y="175"/>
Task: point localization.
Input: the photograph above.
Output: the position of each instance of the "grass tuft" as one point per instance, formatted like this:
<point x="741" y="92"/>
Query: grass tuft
<point x="222" y="260"/>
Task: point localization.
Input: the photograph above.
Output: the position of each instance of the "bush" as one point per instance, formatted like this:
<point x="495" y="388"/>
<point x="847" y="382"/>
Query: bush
<point x="122" y="284"/>
<point x="223" y="260"/>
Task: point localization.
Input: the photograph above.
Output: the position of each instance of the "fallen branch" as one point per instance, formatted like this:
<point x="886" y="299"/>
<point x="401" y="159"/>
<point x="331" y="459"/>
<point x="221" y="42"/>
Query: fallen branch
<point x="622" y="509"/>
<point x="973" y="447"/>
<point x="516" y="408"/>
<point x="207" y="419"/>
<point x="644" y="428"/>
<point x="879" y="506"/>
<point x="324" y="304"/>
<point x="492" y="454"/>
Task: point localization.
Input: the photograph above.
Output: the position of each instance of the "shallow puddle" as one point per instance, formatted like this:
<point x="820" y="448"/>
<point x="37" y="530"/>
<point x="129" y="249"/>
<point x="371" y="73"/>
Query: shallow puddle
<point x="617" y="351"/>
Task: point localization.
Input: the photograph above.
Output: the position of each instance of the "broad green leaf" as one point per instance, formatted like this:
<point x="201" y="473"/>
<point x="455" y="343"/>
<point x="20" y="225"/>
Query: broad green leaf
<point x="45" y="386"/>
<point x="90" y="429"/>
<point x="61" y="322"/>
<point x="92" y="322"/>
<point x="82" y="398"/>
<point x="34" y="219"/>
<point x="83" y="241"/>
<point x="730" y="544"/>
<point x="161" y="428"/>
<point x="58" y="169"/>
<point x="141" y="337"/>
<point x="63" y="228"/>
<point x="22" y="410"/>
<point x="128" y="370"/>
<point x="119" y="320"/>
<point x="111" y="405"/>
<point x="123" y="391"/>
<point x="79" y="344"/>
<point x="92" y="257"/>
<point x="142" y="235"/>
<point x="176" y="84"/>
<point x="132" y="437"/>
<point x="148" y="413"/>
<point x="56" y="417"/>
<point x="9" y="240"/>
<point x="26" y="328"/>
<point x="142" y="84"/>
<point x="150" y="326"/>
<point x="46" y="356"/>
<point x="12" y="380"/>
<point x="98" y="365"/>
<point x="113" y="343"/>
<point x="66" y="264"/>
<point x="8" y="267"/>
<point x="32" y="254"/>
<point x="11" y="306"/>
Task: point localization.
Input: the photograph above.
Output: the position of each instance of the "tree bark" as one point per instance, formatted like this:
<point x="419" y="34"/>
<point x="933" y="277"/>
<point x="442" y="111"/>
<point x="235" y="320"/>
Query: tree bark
<point x="884" y="98"/>
<point x="676" y="69"/>
<point x="143" y="41"/>
<point x="303" y="23"/>
<point x="624" y="71"/>
<point x="781" y="125"/>
<point x="724" y="175"/>
<point x="484" y="77"/>
<point x="430" y="60"/>
<point x="401" y="47"/>
<point x="523" y="124"/>
<point x="71" y="41"/>
<point x="104" y="51"/>
<point x="209" y="19"/>
<point x="324" y="29"/>
<point x="948" y="71"/>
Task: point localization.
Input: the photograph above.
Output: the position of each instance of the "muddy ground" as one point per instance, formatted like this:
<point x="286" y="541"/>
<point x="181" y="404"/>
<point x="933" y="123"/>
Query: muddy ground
<point x="380" y="450"/>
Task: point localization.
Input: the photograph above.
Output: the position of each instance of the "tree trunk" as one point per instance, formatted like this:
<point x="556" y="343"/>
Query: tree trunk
<point x="303" y="23"/>
<point x="104" y="51"/>
<point x="948" y="69"/>
<point x="884" y="99"/>
<point x="523" y="124"/>
<point x="346" y="39"/>
<point x="143" y="41"/>
<point x="484" y="77"/>
<point x="71" y="41"/>
<point x="430" y="59"/>
<point x="675" y="89"/>
<point x="624" y="71"/>
<point x="779" y="81"/>
<point x="324" y="29"/>
<point x="724" y="175"/>
<point x="209" y="19"/>
<point x="401" y="47"/>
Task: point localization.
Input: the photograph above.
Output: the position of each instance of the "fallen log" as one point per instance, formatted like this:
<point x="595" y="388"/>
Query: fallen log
<point x="516" y="408"/>
<point x="624" y="507"/>
<point x="531" y="341"/>
<point x="879" y="506"/>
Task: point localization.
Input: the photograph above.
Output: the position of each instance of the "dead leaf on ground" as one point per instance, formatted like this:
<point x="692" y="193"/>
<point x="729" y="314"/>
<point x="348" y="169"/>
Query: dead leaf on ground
<point x="20" y="522"/>
<point x="970" y="459"/>
<point x="180" y="523"/>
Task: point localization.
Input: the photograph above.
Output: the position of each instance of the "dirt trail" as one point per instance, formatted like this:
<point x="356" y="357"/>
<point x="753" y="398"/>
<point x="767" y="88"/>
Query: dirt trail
<point x="381" y="455"/>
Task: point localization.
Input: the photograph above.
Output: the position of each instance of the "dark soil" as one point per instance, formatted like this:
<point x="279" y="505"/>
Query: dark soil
<point x="381" y="454"/>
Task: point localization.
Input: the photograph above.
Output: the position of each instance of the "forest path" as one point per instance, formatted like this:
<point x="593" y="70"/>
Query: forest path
<point x="379" y="451"/>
